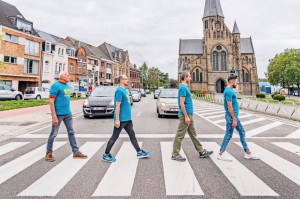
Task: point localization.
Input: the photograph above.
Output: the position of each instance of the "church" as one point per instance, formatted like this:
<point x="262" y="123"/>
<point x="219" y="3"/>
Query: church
<point x="211" y="59"/>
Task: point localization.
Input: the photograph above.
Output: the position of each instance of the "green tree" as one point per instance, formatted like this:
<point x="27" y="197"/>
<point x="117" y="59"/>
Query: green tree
<point x="153" y="77"/>
<point x="144" y="75"/>
<point x="173" y="83"/>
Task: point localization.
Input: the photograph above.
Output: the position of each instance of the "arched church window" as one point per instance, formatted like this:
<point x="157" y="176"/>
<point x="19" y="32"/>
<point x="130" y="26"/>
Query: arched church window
<point x="197" y="75"/>
<point x="215" y="61"/>
<point x="194" y="77"/>
<point x="246" y="59"/>
<point x="215" y="35"/>
<point x="222" y="35"/>
<point x="224" y="61"/>
<point x="245" y="75"/>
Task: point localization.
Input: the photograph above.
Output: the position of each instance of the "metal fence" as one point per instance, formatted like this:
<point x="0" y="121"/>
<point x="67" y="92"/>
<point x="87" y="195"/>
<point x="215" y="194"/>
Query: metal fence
<point x="274" y="107"/>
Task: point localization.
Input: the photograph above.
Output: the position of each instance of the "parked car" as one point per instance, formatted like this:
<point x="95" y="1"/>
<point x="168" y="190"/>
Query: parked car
<point x="135" y="95"/>
<point x="130" y="97"/>
<point x="167" y="103"/>
<point x="148" y="91"/>
<point x="74" y="87"/>
<point x="36" y="93"/>
<point x="143" y="93"/>
<point x="7" y="93"/>
<point x="100" y="102"/>
<point x="138" y="90"/>
<point x="156" y="93"/>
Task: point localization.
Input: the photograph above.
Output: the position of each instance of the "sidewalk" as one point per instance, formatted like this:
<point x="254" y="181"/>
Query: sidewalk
<point x="19" y="121"/>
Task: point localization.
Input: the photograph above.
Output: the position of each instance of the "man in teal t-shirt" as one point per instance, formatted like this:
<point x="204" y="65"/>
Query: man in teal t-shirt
<point x="231" y="107"/>
<point x="61" y="112"/>
<point x="122" y="118"/>
<point x="186" y="121"/>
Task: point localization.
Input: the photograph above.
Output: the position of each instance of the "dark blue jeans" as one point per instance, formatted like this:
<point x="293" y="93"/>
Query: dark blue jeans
<point x="68" y="120"/>
<point x="229" y="132"/>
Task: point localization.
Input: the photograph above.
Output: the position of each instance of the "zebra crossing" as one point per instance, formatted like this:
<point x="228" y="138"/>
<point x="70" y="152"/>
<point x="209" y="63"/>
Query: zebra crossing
<point x="179" y="178"/>
<point x="256" y="126"/>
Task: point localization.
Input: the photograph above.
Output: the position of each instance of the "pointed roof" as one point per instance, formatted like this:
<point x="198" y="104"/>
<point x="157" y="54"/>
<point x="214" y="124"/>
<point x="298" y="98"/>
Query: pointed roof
<point x="235" y="29"/>
<point x="213" y="8"/>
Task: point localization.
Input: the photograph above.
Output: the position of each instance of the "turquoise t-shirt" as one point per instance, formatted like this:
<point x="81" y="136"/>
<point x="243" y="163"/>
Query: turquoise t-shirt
<point x="184" y="91"/>
<point x="121" y="95"/>
<point x="229" y="95"/>
<point x="61" y="92"/>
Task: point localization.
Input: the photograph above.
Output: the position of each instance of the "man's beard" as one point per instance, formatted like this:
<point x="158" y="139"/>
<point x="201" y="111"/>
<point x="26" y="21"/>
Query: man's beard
<point x="233" y="86"/>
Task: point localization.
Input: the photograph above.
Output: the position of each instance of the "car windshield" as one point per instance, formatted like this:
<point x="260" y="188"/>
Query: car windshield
<point x="134" y="92"/>
<point x="30" y="89"/>
<point x="103" y="92"/>
<point x="169" y="94"/>
<point x="157" y="91"/>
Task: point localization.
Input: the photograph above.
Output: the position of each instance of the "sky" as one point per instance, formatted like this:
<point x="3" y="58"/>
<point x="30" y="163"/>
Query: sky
<point x="150" y="29"/>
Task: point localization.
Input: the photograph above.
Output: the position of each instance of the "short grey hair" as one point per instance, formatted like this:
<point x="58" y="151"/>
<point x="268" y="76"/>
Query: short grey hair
<point x="184" y="74"/>
<point x="62" y="73"/>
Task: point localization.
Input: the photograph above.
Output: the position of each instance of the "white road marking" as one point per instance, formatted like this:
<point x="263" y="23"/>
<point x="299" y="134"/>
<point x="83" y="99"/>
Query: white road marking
<point x="17" y="165"/>
<point x="119" y="178"/>
<point x="179" y="176"/>
<point x="139" y="114"/>
<point x="54" y="180"/>
<point x="288" y="146"/>
<point x="11" y="146"/>
<point x="240" y="117"/>
<point x="216" y="112"/>
<point x="246" y="182"/>
<point x="295" y="134"/>
<point x="254" y="121"/>
<point x="283" y="166"/>
<point x="262" y="129"/>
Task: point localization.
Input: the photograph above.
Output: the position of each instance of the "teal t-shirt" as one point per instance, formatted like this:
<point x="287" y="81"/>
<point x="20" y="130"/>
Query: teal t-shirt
<point x="121" y="95"/>
<point x="61" y="92"/>
<point x="229" y="95"/>
<point x="184" y="91"/>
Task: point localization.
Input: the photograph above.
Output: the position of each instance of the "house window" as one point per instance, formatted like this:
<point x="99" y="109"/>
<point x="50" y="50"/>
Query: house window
<point x="72" y="53"/>
<point x="206" y="24"/>
<point x="224" y="61"/>
<point x="245" y="75"/>
<point x="197" y="75"/>
<point x="31" y="66"/>
<point x="79" y="69"/>
<point x="215" y="61"/>
<point x="60" y="67"/>
<point x="108" y="76"/>
<point x="102" y="64"/>
<point x="84" y="69"/>
<point x="46" y="66"/>
<point x="48" y="47"/>
<point x="62" y="51"/>
<point x="11" y="38"/>
<point x="215" y="35"/>
<point x="32" y="48"/>
<point x="59" y="51"/>
<point x="218" y="34"/>
<point x="71" y="68"/>
<point x="10" y="60"/>
<point x="64" y="67"/>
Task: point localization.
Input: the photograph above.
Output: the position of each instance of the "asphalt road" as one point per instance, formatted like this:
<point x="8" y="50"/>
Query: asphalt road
<point x="24" y="173"/>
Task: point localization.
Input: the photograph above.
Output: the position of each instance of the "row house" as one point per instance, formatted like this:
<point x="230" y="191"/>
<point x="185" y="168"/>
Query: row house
<point x="99" y="66"/>
<point x="54" y="58"/>
<point x="119" y="57"/>
<point x="20" y="49"/>
<point x="135" y="77"/>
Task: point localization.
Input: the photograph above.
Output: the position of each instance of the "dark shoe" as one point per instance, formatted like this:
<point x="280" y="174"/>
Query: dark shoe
<point x="205" y="153"/>
<point x="142" y="154"/>
<point x="80" y="156"/>
<point x="178" y="158"/>
<point x="49" y="157"/>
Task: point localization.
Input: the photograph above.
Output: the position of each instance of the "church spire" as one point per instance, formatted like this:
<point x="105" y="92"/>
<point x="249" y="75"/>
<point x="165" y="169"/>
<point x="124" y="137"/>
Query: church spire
<point x="235" y="29"/>
<point x="213" y="8"/>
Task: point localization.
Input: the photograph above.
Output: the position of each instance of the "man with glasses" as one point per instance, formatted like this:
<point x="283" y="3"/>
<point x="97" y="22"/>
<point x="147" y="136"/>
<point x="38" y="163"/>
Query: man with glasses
<point x="122" y="119"/>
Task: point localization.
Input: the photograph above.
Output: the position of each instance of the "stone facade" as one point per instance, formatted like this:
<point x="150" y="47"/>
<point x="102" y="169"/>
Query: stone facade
<point x="210" y="59"/>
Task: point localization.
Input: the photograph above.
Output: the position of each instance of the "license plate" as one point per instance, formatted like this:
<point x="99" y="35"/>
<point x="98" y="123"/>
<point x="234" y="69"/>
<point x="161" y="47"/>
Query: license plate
<point x="174" y="109"/>
<point x="99" y="108"/>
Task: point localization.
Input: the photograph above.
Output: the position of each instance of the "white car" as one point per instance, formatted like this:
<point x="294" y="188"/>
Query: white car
<point x="7" y="93"/>
<point x="36" y="93"/>
<point x="136" y="97"/>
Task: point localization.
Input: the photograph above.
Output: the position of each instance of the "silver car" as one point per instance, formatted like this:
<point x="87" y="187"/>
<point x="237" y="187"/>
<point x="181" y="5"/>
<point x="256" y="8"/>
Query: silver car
<point x="7" y="93"/>
<point x="167" y="103"/>
<point x="136" y="96"/>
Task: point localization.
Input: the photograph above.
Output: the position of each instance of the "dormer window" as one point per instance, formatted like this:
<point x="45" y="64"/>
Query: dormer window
<point x="23" y="25"/>
<point x="48" y="46"/>
<point x="206" y="24"/>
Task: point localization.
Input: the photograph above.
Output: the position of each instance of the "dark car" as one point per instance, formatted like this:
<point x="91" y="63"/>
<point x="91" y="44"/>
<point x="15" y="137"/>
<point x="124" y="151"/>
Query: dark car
<point x="100" y="102"/>
<point x="143" y="92"/>
<point x="156" y="93"/>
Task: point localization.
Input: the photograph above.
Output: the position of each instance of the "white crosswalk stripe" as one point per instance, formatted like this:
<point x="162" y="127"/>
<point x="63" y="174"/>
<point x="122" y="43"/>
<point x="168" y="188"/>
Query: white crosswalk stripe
<point x="118" y="175"/>
<point x="179" y="176"/>
<point x="262" y="129"/>
<point x="53" y="181"/>
<point x="246" y="183"/>
<point x="16" y="166"/>
<point x="11" y="146"/>
<point x="283" y="166"/>
<point x="295" y="134"/>
<point x="288" y="146"/>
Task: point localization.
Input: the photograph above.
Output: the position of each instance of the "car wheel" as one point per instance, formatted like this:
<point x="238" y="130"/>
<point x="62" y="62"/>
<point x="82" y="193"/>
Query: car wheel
<point x="38" y="97"/>
<point x="18" y="97"/>
<point x="86" y="116"/>
<point x="159" y="115"/>
<point x="131" y="103"/>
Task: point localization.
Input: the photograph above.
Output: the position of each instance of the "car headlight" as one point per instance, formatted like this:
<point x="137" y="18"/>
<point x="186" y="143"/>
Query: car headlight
<point x="163" y="104"/>
<point x="112" y="103"/>
<point x="86" y="103"/>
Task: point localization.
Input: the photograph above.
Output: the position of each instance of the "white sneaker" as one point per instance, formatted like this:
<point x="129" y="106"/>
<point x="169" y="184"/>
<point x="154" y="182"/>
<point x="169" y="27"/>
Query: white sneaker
<point x="250" y="156"/>
<point x="224" y="157"/>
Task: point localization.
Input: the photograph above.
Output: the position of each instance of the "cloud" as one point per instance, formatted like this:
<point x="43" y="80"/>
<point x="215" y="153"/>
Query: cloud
<point x="151" y="29"/>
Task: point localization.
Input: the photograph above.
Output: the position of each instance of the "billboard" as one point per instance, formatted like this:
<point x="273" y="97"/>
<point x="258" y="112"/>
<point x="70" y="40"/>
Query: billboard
<point x="83" y="84"/>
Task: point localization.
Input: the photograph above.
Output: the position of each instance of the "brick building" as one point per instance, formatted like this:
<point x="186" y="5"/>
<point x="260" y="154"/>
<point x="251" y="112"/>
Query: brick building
<point x="135" y="77"/>
<point x="20" y="49"/>
<point x="210" y="59"/>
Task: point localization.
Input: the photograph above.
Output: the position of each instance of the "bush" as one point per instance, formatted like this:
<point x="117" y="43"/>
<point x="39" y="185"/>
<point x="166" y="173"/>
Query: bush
<point x="279" y="97"/>
<point x="260" y="95"/>
<point x="274" y="94"/>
